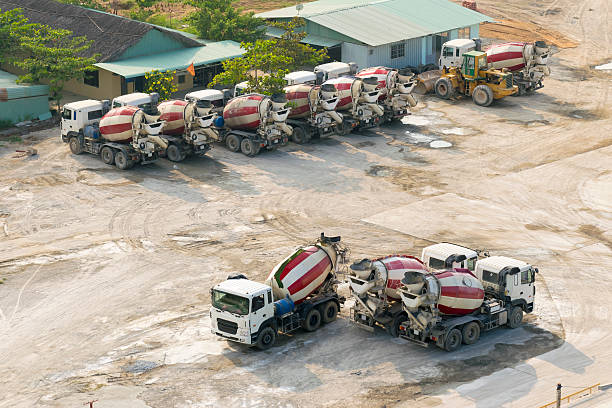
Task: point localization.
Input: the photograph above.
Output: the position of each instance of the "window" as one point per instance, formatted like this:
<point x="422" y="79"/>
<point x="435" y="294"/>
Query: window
<point x="181" y="79"/>
<point x="93" y="115"/>
<point x="92" y="78"/>
<point x="526" y="276"/>
<point x="230" y="303"/>
<point x="490" y="277"/>
<point x="471" y="263"/>
<point x="398" y="50"/>
<point x="456" y="52"/>
<point x="66" y="114"/>
<point x="257" y="303"/>
<point x="436" y="263"/>
<point x="448" y="51"/>
<point x="269" y="296"/>
<point x="117" y="105"/>
<point x="464" y="32"/>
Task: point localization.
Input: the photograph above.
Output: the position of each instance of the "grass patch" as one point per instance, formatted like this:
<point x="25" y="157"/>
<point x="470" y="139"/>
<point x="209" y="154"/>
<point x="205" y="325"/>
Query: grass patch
<point x="15" y="139"/>
<point x="5" y="124"/>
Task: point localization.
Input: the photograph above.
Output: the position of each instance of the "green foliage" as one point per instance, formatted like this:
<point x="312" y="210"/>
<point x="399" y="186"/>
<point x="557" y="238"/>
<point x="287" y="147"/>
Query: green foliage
<point x="14" y="27"/>
<point x="5" y="124"/>
<point x="161" y="82"/>
<point x="92" y="4"/>
<point x="261" y="65"/>
<point x="221" y="20"/>
<point x="303" y="55"/>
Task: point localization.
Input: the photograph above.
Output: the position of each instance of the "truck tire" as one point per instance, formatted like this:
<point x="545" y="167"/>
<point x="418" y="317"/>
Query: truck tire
<point x="75" y="145"/>
<point x="248" y="147"/>
<point x="313" y="320"/>
<point x="516" y="317"/>
<point x="121" y="160"/>
<point x="107" y="155"/>
<point x="453" y="340"/>
<point x="298" y="136"/>
<point x="393" y="328"/>
<point x="444" y="88"/>
<point x="470" y="333"/>
<point x="482" y="95"/>
<point x="173" y="153"/>
<point x="266" y="338"/>
<point x="233" y="142"/>
<point x="330" y="311"/>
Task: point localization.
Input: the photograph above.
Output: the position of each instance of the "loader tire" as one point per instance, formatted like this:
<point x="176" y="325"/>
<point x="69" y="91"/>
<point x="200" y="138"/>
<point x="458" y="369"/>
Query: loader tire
<point x="233" y="143"/>
<point x="266" y="338"/>
<point x="444" y="88"/>
<point x="329" y="312"/>
<point x="516" y="317"/>
<point x="313" y="320"/>
<point x="482" y="95"/>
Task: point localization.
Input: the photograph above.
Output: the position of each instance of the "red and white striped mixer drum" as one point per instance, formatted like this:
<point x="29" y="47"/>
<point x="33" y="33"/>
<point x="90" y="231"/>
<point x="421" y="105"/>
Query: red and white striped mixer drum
<point x="246" y="112"/>
<point x="173" y="112"/>
<point x="116" y="125"/>
<point x="461" y="292"/>
<point x="508" y="55"/>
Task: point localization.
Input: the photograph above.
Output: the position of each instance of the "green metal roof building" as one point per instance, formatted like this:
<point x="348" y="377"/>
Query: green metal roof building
<point x="22" y="102"/>
<point x="393" y="33"/>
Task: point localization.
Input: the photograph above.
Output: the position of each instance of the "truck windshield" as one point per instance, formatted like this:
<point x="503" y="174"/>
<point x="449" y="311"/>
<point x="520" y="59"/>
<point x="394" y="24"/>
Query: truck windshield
<point x="67" y="114"/>
<point x="231" y="303"/>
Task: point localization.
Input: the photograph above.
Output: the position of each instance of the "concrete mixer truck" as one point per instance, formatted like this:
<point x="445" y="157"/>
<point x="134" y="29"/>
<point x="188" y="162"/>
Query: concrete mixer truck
<point x="312" y="115"/>
<point x="188" y="128"/>
<point x="452" y="307"/>
<point x="528" y="62"/>
<point x="396" y="91"/>
<point x="300" y="292"/>
<point x="357" y="100"/>
<point x="374" y="285"/>
<point x="252" y="122"/>
<point x="122" y="136"/>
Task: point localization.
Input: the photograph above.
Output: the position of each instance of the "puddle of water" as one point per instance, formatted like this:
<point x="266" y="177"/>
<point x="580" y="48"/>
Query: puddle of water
<point x="604" y="67"/>
<point x="440" y="144"/>
<point x="453" y="131"/>
<point x="419" y="138"/>
<point x="416" y="120"/>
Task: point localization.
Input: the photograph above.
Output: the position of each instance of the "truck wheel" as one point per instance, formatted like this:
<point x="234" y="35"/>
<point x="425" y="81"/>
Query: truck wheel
<point x="330" y="311"/>
<point x="444" y="88"/>
<point x="516" y="317"/>
<point x="482" y="95"/>
<point x="393" y="329"/>
<point x="121" y="160"/>
<point x="453" y="340"/>
<point x="248" y="147"/>
<point x="298" y="136"/>
<point x="108" y="155"/>
<point x="313" y="320"/>
<point x="173" y="153"/>
<point x="75" y="145"/>
<point x="470" y="333"/>
<point x="233" y="143"/>
<point x="266" y="338"/>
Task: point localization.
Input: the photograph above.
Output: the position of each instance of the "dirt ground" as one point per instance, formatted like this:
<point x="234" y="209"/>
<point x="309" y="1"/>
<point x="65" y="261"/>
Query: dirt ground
<point x="105" y="275"/>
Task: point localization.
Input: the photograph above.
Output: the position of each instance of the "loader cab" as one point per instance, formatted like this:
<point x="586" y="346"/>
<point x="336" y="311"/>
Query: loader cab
<point x="451" y="54"/>
<point x="239" y="308"/>
<point x="77" y="116"/>
<point x="445" y="256"/>
<point x="146" y="102"/>
<point x="473" y="63"/>
<point x="508" y="279"/>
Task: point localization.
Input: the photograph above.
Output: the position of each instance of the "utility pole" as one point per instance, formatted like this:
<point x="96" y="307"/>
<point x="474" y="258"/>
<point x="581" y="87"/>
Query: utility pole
<point x="559" y="395"/>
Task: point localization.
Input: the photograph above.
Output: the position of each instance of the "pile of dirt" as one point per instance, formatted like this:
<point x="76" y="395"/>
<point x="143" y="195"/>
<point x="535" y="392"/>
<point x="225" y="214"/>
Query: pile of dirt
<point x="524" y="31"/>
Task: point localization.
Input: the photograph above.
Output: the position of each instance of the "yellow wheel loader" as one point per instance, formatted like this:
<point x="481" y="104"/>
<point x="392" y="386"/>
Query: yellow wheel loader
<point x="476" y="80"/>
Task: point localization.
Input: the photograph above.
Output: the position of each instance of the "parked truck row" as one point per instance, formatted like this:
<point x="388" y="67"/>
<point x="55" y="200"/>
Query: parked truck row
<point x="448" y="298"/>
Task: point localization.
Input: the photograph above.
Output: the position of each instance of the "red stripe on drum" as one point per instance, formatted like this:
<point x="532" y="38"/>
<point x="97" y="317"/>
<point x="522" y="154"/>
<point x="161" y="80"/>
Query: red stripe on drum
<point x="255" y="97"/>
<point x="515" y="67"/>
<point x="461" y="292"/>
<point x="299" y="110"/>
<point x="454" y="310"/>
<point x="115" y="129"/>
<point x="171" y="116"/>
<point x="343" y="86"/>
<point x="297" y="260"/>
<point x="297" y="95"/>
<point x="310" y="276"/>
<point x="124" y="111"/>
<point x="502" y="56"/>
<point x="242" y="111"/>
<point x="344" y="101"/>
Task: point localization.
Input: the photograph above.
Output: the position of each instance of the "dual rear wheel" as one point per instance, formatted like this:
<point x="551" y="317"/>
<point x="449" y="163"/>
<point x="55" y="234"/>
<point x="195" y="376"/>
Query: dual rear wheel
<point x="235" y="143"/>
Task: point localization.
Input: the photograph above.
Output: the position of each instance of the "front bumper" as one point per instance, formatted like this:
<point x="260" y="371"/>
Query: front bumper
<point x="232" y="337"/>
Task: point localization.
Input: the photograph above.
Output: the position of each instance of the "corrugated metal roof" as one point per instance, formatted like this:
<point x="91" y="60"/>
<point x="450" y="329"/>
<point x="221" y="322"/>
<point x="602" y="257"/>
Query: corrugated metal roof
<point x="174" y="60"/>
<point x="309" y="39"/>
<point x="9" y="89"/>
<point x="378" y="22"/>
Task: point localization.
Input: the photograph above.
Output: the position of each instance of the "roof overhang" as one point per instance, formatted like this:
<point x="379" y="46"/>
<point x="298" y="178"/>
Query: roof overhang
<point x="309" y="39"/>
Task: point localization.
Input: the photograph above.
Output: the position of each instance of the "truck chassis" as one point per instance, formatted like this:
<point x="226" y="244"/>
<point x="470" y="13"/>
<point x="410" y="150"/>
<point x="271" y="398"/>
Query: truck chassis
<point x="178" y="148"/>
<point x="249" y="143"/>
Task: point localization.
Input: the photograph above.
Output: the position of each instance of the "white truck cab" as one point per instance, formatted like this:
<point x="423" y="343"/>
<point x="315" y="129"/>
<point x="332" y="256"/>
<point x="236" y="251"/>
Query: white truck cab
<point x="76" y="116"/>
<point x="448" y="256"/>
<point x="206" y="98"/>
<point x="301" y="77"/>
<point x="239" y="307"/>
<point x="513" y="279"/>
<point x="241" y="88"/>
<point x="451" y="54"/>
<point x="332" y="70"/>
<point x="146" y="102"/>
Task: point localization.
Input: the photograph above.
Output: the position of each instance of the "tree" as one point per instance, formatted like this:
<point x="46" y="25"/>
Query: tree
<point x="13" y="28"/>
<point x="289" y="44"/>
<point x="160" y="82"/>
<point x="261" y="65"/>
<point x="55" y="56"/>
<point x="221" y="20"/>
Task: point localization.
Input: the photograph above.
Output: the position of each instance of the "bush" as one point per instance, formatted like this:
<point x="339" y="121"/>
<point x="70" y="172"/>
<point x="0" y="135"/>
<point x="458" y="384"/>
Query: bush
<point x="162" y="83"/>
<point x="5" y="124"/>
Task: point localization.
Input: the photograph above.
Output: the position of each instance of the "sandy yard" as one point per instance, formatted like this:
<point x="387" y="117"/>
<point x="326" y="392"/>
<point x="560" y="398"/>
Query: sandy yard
<point x="105" y="275"/>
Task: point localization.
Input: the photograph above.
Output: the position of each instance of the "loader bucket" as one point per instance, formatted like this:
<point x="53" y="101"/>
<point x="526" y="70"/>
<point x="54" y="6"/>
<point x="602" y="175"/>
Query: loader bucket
<point x="426" y="81"/>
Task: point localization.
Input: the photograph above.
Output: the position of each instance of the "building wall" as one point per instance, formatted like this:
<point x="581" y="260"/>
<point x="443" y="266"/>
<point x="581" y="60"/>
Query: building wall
<point x="381" y="55"/>
<point x="17" y="110"/>
<point x="109" y="86"/>
<point x="153" y="42"/>
<point x="316" y="29"/>
<point x="355" y="53"/>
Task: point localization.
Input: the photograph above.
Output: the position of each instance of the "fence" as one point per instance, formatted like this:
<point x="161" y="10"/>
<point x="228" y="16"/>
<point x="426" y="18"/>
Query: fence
<point x="575" y="395"/>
